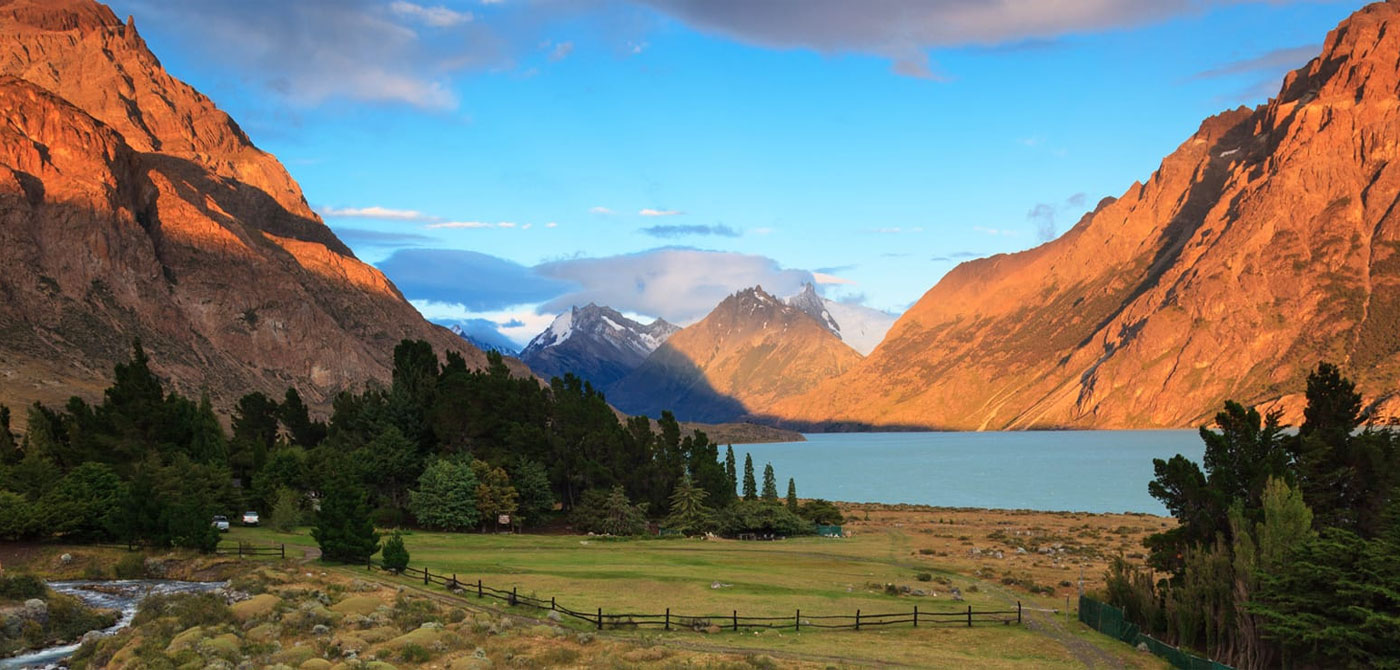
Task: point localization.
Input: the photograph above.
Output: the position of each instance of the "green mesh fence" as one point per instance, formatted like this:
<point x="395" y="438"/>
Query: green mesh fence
<point x="1109" y="620"/>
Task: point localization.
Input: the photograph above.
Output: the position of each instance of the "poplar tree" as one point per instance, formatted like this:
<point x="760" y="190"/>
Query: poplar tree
<point x="792" y="496"/>
<point x="730" y="469"/>
<point x="770" y="484"/>
<point x="750" y="486"/>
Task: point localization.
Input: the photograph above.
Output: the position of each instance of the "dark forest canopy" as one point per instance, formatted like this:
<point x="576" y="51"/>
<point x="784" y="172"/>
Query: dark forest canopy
<point x="1287" y="551"/>
<point x="458" y="447"/>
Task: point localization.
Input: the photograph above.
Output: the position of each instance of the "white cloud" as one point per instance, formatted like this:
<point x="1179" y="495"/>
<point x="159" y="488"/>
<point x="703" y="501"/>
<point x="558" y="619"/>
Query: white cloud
<point x="519" y="323"/>
<point x="599" y="210"/>
<point x="437" y="17"/>
<point x="561" y="51"/>
<point x="761" y="231"/>
<point x="1002" y="232"/>
<point x="896" y="230"/>
<point x="374" y="212"/>
<point x="551" y="224"/>
<point x="826" y="279"/>
<point x="659" y="212"/>
<point x="679" y="285"/>
<point x="471" y="224"/>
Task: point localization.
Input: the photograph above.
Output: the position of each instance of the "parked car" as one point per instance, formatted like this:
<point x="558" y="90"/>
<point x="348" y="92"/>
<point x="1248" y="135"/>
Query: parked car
<point x="250" y="518"/>
<point x="221" y="522"/>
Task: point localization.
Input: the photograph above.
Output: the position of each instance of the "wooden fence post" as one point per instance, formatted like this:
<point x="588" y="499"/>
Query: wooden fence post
<point x="916" y="616"/>
<point x="600" y="618"/>
<point x="857" y="619"/>
<point x="369" y="563"/>
<point x="425" y="575"/>
<point x="736" y="621"/>
<point x="240" y="549"/>
<point x="454" y="583"/>
<point x="478" y="588"/>
<point x="513" y="601"/>
<point x="668" y="618"/>
<point x="552" y="606"/>
<point x="284" y="550"/>
<point x="797" y="620"/>
<point x="969" y="616"/>
<point x="1018" y="612"/>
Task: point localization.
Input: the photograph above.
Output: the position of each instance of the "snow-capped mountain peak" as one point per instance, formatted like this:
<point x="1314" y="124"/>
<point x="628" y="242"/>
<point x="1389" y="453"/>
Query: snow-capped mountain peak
<point x="594" y="342"/>
<point x="862" y="328"/>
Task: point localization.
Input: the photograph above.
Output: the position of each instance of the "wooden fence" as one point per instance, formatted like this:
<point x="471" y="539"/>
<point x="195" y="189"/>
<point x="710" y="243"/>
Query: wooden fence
<point x="675" y="621"/>
<point x="243" y="549"/>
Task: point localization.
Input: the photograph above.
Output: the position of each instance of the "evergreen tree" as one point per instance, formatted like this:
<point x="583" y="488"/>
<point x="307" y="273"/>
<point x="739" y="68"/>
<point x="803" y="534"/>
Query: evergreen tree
<point x="207" y="443"/>
<point x="689" y="515"/>
<point x="297" y="420"/>
<point x="536" y="499"/>
<point x="731" y="472"/>
<point x="770" y="484"/>
<point x="343" y="529"/>
<point x="750" y="486"/>
<point x="446" y="496"/>
<point x="286" y="511"/>
<point x="395" y="554"/>
<point x="792" y="496"/>
<point x="9" y="450"/>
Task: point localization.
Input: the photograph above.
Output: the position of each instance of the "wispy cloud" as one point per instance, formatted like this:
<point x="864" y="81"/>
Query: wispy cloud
<point x="561" y="51"/>
<point x="600" y="210"/>
<point x="659" y="212"/>
<point x="1002" y="232"/>
<point x="1277" y="61"/>
<point x="717" y="230"/>
<point x="903" y="31"/>
<point x="1043" y="215"/>
<point x="826" y="279"/>
<point x="377" y="238"/>
<point x="374" y="212"/>
<point x="897" y="230"/>
<point x="437" y="17"/>
<point x="474" y="224"/>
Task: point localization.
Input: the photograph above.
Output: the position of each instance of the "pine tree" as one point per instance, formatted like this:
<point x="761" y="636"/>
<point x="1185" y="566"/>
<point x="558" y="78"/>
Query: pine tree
<point x="750" y="486"/>
<point x="770" y="484"/>
<point x="343" y="529"/>
<point x="208" y="444"/>
<point x="689" y="514"/>
<point x="531" y="482"/>
<point x="395" y="555"/>
<point x="9" y="451"/>
<point x="731" y="471"/>
<point x="792" y="496"/>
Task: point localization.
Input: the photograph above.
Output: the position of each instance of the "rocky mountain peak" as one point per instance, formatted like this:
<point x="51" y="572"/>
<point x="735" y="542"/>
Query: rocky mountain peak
<point x="595" y="342"/>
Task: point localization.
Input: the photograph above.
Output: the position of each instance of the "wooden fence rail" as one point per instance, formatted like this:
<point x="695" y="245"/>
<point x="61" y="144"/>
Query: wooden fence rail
<point x="733" y="622"/>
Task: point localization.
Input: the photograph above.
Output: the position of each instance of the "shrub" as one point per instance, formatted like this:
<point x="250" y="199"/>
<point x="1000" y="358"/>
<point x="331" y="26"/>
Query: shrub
<point x="927" y="552"/>
<point x="395" y="555"/>
<point x="609" y="512"/>
<point x="821" y="512"/>
<point x="21" y="587"/>
<point x="131" y="566"/>
<point x="188" y="609"/>
<point x="414" y="653"/>
<point x="924" y="577"/>
<point x="286" y="511"/>
<point x="751" y="516"/>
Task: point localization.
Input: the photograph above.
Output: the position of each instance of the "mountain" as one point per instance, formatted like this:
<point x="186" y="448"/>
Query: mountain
<point x="595" y="343"/>
<point x="860" y="327"/>
<point x="1266" y="242"/>
<point x="485" y="339"/>
<point x="131" y="206"/>
<point x="750" y="351"/>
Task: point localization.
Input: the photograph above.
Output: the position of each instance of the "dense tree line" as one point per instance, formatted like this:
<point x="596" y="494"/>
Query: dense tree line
<point x="441" y="446"/>
<point x="1287" y="552"/>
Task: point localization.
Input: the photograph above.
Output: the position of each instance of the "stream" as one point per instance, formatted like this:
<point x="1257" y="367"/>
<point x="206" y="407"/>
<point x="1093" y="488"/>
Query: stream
<point x="122" y="595"/>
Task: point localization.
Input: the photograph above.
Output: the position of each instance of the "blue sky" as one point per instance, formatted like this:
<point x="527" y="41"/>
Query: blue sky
<point x="501" y="160"/>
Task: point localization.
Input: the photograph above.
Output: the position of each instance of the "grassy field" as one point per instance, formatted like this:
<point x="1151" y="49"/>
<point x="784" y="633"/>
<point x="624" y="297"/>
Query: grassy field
<point x="816" y="575"/>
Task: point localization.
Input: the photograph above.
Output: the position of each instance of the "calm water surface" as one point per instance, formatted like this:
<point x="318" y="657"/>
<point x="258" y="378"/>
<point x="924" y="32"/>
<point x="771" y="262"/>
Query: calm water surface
<point x="1082" y="471"/>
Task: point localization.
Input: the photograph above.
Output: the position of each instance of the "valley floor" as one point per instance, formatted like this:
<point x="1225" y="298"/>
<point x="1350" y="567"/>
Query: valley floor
<point x="994" y="558"/>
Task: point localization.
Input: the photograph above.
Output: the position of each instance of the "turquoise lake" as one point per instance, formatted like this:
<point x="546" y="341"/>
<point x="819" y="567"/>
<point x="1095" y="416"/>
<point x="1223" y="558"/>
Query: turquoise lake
<point x="1082" y="471"/>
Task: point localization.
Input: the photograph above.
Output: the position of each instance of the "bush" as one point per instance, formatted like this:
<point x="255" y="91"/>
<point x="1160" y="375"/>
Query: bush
<point x="821" y="512"/>
<point x="924" y="577"/>
<point x="414" y="653"/>
<point x="610" y="513"/>
<point x="395" y="555"/>
<point x="131" y="566"/>
<point x="188" y="609"/>
<point x="757" y="517"/>
<point x="286" y="511"/>
<point x="21" y="587"/>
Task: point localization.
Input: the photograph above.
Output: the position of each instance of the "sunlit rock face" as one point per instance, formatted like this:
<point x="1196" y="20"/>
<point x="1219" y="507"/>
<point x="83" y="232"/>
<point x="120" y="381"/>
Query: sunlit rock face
<point x="131" y="206"/>
<point x="1266" y="242"/>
